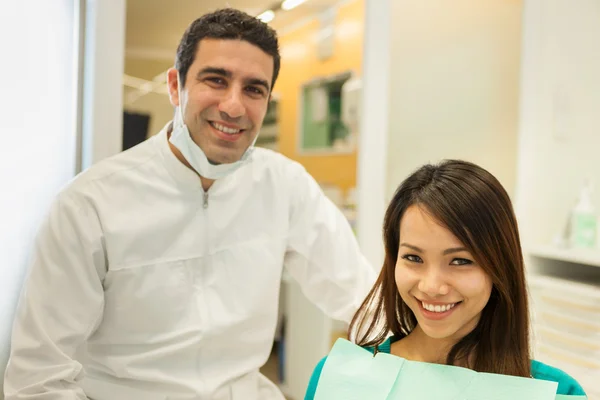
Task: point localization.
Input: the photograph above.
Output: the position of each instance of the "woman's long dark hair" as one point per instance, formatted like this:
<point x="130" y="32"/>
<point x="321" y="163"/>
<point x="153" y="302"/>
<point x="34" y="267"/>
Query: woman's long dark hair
<point x="473" y="205"/>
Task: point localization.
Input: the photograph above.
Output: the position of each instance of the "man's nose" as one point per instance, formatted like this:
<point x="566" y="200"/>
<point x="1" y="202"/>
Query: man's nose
<point x="232" y="106"/>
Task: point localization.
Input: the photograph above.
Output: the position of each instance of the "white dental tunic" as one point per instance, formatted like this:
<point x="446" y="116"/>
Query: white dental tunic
<point x="143" y="286"/>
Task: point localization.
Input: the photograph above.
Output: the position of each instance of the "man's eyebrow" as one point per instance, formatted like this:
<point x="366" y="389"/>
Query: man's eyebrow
<point x="216" y="71"/>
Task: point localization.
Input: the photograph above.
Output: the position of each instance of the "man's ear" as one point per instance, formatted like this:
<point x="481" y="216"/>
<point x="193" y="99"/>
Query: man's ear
<point x="172" y="81"/>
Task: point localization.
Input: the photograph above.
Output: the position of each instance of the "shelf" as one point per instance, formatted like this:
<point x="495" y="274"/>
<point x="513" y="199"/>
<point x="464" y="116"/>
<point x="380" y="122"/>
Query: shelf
<point x="589" y="257"/>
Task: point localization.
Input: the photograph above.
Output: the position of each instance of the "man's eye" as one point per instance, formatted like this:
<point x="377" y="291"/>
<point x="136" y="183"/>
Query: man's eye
<point x="255" y="90"/>
<point x="217" y="80"/>
<point x="461" y="261"/>
<point x="412" y="258"/>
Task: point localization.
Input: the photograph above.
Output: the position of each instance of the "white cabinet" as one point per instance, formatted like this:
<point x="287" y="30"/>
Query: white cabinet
<point x="565" y="304"/>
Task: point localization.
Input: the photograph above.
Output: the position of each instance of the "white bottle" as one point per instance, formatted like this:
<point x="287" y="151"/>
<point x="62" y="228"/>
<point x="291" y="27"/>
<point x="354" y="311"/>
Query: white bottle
<point x="584" y="221"/>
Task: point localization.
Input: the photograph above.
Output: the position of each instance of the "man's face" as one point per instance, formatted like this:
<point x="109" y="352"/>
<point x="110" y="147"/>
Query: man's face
<point x="225" y="96"/>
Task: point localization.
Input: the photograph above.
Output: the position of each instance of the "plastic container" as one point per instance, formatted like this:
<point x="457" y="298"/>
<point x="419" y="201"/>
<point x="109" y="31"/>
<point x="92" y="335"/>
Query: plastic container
<point x="584" y="221"/>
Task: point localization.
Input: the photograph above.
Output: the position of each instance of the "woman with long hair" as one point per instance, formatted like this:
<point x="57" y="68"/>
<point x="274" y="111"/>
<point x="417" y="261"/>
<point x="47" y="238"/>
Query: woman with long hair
<point x="452" y="288"/>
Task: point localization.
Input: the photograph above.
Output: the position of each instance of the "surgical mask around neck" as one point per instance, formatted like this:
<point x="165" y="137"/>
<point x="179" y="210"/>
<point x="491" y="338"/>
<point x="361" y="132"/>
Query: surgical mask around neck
<point x="195" y="156"/>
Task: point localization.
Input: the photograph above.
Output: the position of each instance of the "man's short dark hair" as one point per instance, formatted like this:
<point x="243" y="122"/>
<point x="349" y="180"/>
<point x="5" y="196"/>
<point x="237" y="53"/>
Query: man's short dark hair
<point x="227" y="23"/>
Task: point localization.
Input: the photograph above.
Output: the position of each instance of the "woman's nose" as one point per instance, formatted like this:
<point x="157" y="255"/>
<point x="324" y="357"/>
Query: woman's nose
<point x="433" y="283"/>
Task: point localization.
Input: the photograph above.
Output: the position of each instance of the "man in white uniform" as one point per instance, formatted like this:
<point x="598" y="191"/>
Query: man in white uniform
<point x="156" y="274"/>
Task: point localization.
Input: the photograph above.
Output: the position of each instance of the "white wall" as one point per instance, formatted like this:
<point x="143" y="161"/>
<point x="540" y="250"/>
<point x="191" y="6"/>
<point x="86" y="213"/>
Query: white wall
<point x="559" y="144"/>
<point x="374" y="130"/>
<point x="454" y="85"/>
<point x="104" y="64"/>
<point x="39" y="130"/>
<point x="559" y="141"/>
<point x="38" y="135"/>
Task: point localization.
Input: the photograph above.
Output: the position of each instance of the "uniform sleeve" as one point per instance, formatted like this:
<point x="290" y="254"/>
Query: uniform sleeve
<point x="567" y="385"/>
<point x="60" y="306"/>
<point x="322" y="252"/>
<point x="314" y="380"/>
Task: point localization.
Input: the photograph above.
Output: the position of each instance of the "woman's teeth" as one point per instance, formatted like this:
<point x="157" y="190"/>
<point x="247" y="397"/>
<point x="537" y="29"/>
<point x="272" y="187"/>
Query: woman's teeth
<point x="438" y="308"/>
<point x="224" y="129"/>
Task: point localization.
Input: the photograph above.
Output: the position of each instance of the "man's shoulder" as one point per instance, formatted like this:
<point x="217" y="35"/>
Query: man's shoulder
<point x="269" y="161"/>
<point x="120" y="167"/>
<point x="271" y="158"/>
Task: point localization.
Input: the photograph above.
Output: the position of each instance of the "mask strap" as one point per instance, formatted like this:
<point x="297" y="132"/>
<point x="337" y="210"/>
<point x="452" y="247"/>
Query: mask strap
<point x="180" y="106"/>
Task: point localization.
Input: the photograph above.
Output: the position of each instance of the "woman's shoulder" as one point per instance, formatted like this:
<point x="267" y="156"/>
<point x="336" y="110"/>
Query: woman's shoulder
<point x="384" y="347"/>
<point x="314" y="379"/>
<point x="566" y="384"/>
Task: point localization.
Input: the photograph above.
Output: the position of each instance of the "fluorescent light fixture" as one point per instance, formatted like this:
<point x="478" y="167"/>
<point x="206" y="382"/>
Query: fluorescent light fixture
<point x="289" y="4"/>
<point x="267" y="16"/>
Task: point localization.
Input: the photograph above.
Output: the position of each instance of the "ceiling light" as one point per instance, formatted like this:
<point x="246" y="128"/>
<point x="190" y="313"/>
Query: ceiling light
<point x="289" y="4"/>
<point x="267" y="16"/>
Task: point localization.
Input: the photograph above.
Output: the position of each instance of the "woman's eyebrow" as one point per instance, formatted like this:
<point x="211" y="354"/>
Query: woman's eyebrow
<point x="445" y="252"/>
<point x="410" y="246"/>
<point x="454" y="250"/>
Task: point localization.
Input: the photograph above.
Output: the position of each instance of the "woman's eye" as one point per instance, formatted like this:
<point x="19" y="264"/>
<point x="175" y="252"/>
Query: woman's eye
<point x="412" y="258"/>
<point x="461" y="261"/>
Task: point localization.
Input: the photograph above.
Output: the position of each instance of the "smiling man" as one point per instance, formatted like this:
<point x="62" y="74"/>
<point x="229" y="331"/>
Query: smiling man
<point x="223" y="97"/>
<point x="156" y="274"/>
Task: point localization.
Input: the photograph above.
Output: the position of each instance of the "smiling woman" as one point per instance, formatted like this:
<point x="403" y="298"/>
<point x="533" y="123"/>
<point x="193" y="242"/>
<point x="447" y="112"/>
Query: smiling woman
<point x="439" y="281"/>
<point x="451" y="238"/>
<point x="452" y="288"/>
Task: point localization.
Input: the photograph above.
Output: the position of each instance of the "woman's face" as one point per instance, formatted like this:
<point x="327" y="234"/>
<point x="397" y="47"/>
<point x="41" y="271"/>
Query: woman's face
<point x="438" y="278"/>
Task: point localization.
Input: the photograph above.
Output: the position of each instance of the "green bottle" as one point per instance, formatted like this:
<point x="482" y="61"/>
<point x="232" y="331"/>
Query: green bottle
<point x="584" y="221"/>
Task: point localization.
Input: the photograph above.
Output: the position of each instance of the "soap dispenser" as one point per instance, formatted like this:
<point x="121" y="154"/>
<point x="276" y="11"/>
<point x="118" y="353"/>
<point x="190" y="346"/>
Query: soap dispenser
<point x="584" y="220"/>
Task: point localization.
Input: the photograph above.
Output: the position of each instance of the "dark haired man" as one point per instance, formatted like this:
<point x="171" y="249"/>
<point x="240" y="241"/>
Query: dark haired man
<point x="156" y="274"/>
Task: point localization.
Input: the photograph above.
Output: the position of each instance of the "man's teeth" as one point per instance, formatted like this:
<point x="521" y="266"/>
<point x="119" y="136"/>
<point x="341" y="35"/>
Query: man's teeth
<point x="438" y="308"/>
<point x="225" y="129"/>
